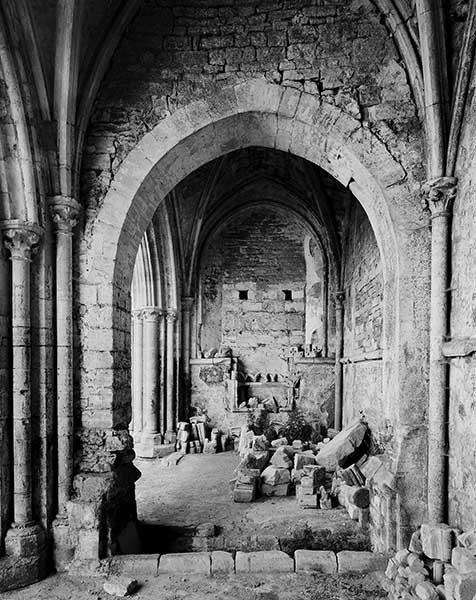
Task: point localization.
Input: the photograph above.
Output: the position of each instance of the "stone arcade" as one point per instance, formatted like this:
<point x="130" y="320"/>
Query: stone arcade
<point x="208" y="202"/>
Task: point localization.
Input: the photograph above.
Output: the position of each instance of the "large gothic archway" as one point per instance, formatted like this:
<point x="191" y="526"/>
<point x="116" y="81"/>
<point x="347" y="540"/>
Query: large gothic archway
<point x="261" y="114"/>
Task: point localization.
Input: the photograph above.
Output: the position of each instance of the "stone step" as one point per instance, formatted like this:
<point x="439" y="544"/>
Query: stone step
<point x="144" y="566"/>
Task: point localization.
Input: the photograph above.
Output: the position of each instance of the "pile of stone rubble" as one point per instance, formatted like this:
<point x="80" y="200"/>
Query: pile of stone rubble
<point x="194" y="437"/>
<point x="322" y="475"/>
<point x="440" y="563"/>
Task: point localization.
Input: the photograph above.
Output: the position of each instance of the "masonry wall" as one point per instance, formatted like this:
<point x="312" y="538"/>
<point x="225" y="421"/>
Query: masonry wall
<point x="5" y="408"/>
<point x="363" y="321"/>
<point x="462" y="407"/>
<point x="175" y="53"/>
<point x="260" y="254"/>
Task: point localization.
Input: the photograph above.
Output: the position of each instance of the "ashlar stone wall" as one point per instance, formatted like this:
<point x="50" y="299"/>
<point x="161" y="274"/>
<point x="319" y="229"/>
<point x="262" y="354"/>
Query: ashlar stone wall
<point x="363" y="322"/>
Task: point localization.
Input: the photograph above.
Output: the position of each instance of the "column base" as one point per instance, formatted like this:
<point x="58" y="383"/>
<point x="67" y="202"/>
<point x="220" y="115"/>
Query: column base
<point x="148" y="446"/>
<point x="25" y="541"/>
<point x="26" y="557"/>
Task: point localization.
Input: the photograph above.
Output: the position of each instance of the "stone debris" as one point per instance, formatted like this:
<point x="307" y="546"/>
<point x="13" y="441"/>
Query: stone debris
<point x="274" y="475"/>
<point x="222" y="562"/>
<point x="413" y="573"/>
<point x="120" y="586"/>
<point x="343" y="449"/>
<point x="438" y="541"/>
<point x="283" y="457"/>
<point x="282" y="441"/>
<point x="205" y="530"/>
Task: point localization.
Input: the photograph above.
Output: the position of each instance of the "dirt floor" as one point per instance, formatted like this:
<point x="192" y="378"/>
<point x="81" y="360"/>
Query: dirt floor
<point x="172" y="501"/>
<point x="236" y="587"/>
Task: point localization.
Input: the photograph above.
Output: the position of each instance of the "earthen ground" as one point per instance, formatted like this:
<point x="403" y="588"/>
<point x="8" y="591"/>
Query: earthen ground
<point x="233" y="587"/>
<point x="174" y="500"/>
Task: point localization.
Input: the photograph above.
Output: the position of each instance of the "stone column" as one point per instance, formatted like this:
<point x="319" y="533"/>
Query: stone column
<point x="150" y="438"/>
<point x="19" y="239"/>
<point x="440" y="194"/>
<point x="339" y="391"/>
<point x="325" y="309"/>
<point x="187" y="314"/>
<point x="162" y="376"/>
<point x="137" y="372"/>
<point x="170" y="368"/>
<point x="64" y="212"/>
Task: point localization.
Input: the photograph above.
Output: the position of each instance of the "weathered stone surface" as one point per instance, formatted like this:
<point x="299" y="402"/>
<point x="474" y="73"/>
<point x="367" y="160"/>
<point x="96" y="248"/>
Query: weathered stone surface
<point x="336" y="453"/>
<point x="222" y="562"/>
<point x="280" y="489"/>
<point x="360" y="562"/>
<point x="283" y="457"/>
<point x="426" y="591"/>
<point x="321" y="561"/>
<point x="141" y="566"/>
<point x="192" y="562"/>
<point x="267" y="561"/>
<point x="463" y="560"/>
<point x="120" y="586"/>
<point x="438" y="541"/>
<point x="303" y="459"/>
<point x="274" y="475"/>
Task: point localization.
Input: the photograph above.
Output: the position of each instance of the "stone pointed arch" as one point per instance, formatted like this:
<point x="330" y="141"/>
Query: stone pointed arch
<point x="257" y="113"/>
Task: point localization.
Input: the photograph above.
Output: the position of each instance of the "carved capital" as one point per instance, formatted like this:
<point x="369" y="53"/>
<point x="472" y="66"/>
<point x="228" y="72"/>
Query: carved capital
<point x="21" y="239"/>
<point x="171" y="315"/>
<point x="151" y="313"/>
<point x="439" y="195"/>
<point x="64" y="212"/>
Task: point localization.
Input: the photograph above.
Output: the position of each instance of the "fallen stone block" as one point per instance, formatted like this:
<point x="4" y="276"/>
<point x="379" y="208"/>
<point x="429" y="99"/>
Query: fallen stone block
<point x="317" y="472"/>
<point x="296" y="475"/>
<point x="185" y="562"/>
<point x="281" y="489"/>
<point x="392" y="569"/>
<point x="222" y="562"/>
<point x="308" y="501"/>
<point x="139" y="565"/>
<point x="247" y="476"/>
<point x="301" y="459"/>
<point x="426" y="591"/>
<point x="320" y="561"/>
<point x="283" y="457"/>
<point x="244" y="492"/>
<point x="438" y="541"/>
<point x="468" y="540"/>
<point x="254" y="460"/>
<point x="305" y="490"/>
<point x="415" y="543"/>
<point x="465" y="586"/>
<point x="360" y="562"/>
<point x="463" y="560"/>
<point x="341" y="451"/>
<point x="274" y="475"/>
<point x="120" y="586"/>
<point x="266" y="561"/>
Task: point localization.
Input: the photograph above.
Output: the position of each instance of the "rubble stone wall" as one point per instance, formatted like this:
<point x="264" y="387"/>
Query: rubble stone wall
<point x="174" y="54"/>
<point x="462" y="410"/>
